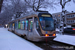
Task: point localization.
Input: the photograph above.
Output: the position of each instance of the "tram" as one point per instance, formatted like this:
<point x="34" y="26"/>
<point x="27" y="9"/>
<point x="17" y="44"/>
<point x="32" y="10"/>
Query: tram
<point x="37" y="26"/>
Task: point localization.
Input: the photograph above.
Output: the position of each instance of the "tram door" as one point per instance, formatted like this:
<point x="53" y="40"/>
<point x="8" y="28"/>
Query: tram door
<point x="30" y="28"/>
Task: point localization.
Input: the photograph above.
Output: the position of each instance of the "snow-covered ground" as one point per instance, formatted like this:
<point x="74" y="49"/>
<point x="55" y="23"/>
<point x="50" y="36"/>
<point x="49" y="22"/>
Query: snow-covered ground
<point x="68" y="39"/>
<point x="10" y="41"/>
<point x="65" y="39"/>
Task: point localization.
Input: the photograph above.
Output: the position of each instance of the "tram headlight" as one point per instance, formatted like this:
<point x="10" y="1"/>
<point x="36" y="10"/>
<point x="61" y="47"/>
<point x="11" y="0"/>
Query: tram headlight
<point x="54" y="34"/>
<point x="46" y="35"/>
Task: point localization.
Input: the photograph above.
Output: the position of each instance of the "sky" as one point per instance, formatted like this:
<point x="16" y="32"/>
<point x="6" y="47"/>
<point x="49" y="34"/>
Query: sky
<point x="70" y="6"/>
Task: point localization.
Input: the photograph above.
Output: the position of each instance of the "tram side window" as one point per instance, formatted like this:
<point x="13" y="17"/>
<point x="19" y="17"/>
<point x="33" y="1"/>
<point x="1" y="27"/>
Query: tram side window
<point x="22" y="24"/>
<point x="11" y="25"/>
<point x="26" y="25"/>
<point x="37" y="23"/>
<point x="15" y="24"/>
<point x="30" y="25"/>
<point x="19" y="25"/>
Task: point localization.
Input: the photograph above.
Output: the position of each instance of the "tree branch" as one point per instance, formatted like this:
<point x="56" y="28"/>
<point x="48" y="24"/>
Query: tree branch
<point x="60" y="2"/>
<point x="38" y="5"/>
<point x="67" y="1"/>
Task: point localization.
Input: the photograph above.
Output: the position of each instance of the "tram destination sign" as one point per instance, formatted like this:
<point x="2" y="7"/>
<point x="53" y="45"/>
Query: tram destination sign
<point x="46" y="15"/>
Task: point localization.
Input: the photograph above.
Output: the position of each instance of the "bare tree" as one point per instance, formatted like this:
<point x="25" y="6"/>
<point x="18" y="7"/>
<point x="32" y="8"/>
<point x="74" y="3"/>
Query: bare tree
<point x="1" y="1"/>
<point x="38" y="4"/>
<point x="10" y="7"/>
<point x="15" y="6"/>
<point x="62" y="19"/>
<point x="18" y="6"/>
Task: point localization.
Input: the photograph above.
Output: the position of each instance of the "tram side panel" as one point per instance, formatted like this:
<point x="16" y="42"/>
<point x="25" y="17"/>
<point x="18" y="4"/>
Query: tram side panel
<point x="10" y="27"/>
<point x="20" y="28"/>
<point x="31" y="35"/>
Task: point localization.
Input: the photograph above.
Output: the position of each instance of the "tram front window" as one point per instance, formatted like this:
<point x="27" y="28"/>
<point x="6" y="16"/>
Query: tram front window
<point x="47" y="23"/>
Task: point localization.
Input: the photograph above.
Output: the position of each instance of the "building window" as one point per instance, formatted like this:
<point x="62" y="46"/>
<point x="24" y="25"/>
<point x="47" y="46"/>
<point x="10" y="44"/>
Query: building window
<point x="70" y="16"/>
<point x="74" y="21"/>
<point x="58" y="15"/>
<point x="67" y="16"/>
<point x="71" y="21"/>
<point x="74" y="15"/>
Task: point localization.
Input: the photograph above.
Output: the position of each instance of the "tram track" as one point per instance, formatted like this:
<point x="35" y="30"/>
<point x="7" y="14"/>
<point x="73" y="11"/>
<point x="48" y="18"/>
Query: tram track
<point x="53" y="45"/>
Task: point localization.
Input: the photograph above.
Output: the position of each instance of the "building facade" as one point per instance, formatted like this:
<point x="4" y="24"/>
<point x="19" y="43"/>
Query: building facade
<point x="70" y="19"/>
<point x="57" y="18"/>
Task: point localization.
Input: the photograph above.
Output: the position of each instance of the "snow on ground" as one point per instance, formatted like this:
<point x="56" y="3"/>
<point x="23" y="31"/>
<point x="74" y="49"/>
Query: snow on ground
<point x="57" y="29"/>
<point x="68" y="39"/>
<point x="10" y="41"/>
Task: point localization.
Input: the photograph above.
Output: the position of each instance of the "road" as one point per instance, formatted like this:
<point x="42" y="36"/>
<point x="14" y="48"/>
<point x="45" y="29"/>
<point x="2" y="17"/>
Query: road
<point x="54" y="45"/>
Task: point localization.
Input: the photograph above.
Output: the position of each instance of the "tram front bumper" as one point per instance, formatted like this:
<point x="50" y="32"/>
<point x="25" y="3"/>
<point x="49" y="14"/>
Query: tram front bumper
<point x="49" y="38"/>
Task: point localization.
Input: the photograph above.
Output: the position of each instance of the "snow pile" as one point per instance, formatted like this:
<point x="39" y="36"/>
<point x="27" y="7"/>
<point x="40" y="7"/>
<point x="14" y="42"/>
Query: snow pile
<point x="65" y="39"/>
<point x="57" y="29"/>
<point x="10" y="41"/>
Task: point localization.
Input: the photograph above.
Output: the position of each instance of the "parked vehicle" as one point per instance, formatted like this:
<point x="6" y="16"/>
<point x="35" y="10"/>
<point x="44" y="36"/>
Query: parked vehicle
<point x="69" y="30"/>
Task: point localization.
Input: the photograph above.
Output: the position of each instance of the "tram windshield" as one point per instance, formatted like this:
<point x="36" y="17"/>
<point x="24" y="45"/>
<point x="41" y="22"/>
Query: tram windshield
<point x="47" y="23"/>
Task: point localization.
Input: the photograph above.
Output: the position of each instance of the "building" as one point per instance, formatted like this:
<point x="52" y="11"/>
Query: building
<point x="57" y="18"/>
<point x="70" y="19"/>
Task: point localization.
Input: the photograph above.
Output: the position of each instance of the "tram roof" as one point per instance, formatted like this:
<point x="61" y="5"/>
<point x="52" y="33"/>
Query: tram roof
<point x="33" y="13"/>
<point x="37" y="12"/>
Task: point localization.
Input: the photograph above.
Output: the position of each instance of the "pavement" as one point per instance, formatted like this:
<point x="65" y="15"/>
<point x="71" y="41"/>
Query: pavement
<point x="10" y="41"/>
<point x="67" y="39"/>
